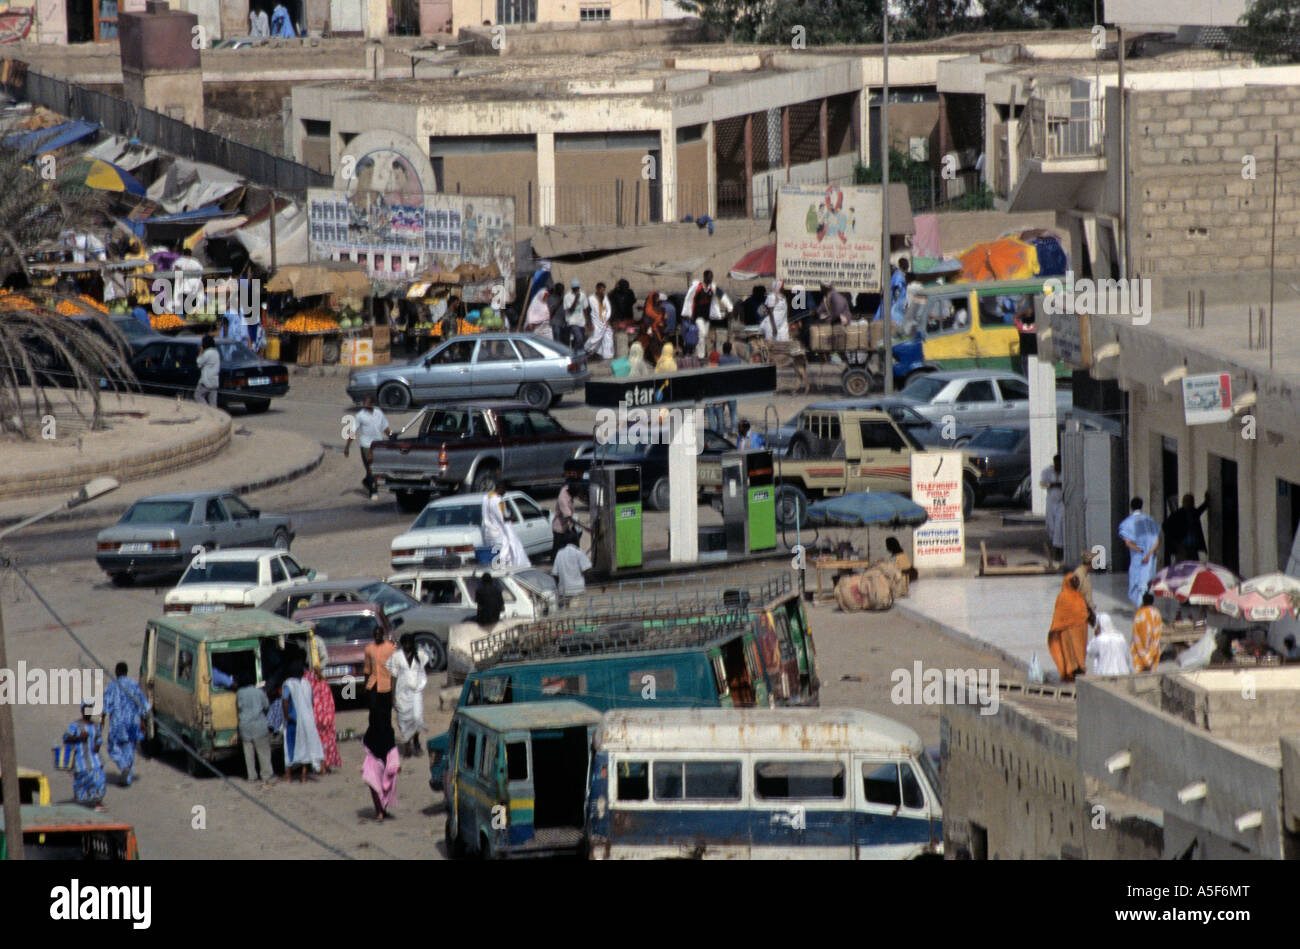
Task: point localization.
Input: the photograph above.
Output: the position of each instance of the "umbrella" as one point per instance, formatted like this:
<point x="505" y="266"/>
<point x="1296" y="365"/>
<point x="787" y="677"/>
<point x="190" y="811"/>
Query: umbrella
<point x="755" y="265"/>
<point x="867" y="509"/>
<point x="104" y="176"/>
<point x="1272" y="584"/>
<point x="1192" y="581"/>
<point x="1255" y="606"/>
<point x="1003" y="259"/>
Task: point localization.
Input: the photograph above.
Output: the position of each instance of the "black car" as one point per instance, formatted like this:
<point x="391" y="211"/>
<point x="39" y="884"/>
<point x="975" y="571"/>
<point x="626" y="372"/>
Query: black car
<point x="652" y="459"/>
<point x="138" y="336"/>
<point x="1001" y="456"/>
<point x="170" y="367"/>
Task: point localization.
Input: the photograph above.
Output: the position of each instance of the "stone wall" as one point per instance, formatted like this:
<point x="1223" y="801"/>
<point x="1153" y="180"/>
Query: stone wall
<point x="1192" y="211"/>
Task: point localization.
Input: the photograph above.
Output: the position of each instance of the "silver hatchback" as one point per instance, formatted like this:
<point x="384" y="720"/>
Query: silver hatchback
<point x="478" y="366"/>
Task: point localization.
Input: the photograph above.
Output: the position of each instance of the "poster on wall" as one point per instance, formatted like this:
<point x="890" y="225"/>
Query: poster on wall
<point x="829" y="234"/>
<point x="1207" y="399"/>
<point x="937" y="487"/>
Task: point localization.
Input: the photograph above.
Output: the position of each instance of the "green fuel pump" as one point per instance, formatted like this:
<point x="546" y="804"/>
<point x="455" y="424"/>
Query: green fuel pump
<point x="616" y="518"/>
<point x="748" y="501"/>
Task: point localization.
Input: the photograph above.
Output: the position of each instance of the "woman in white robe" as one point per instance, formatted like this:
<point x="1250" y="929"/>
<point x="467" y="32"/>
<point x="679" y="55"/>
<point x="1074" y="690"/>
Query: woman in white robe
<point x="500" y="535"/>
<point x="409" y="680"/>
<point x="302" y="741"/>
<point x="538" y="319"/>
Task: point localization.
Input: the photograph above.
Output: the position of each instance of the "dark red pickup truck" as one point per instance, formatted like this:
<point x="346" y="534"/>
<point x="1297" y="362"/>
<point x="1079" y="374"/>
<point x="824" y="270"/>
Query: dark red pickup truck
<point x="445" y="449"/>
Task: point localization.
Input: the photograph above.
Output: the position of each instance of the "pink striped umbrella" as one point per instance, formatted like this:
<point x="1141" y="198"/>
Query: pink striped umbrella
<point x="1255" y="606"/>
<point x="1192" y="581"/>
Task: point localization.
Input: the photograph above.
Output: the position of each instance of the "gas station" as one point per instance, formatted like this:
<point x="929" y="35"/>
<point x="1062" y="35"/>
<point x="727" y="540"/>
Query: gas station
<point x="748" y="487"/>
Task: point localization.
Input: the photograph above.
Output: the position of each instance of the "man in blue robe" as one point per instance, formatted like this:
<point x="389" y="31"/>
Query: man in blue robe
<point x="1141" y="535"/>
<point x="124" y="706"/>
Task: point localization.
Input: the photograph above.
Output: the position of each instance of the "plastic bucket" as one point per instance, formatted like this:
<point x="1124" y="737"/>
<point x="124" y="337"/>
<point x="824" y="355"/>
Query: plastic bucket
<point x="484" y="555"/>
<point x="620" y="367"/>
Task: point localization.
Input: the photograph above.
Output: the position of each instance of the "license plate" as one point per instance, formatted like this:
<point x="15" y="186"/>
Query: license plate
<point x="260" y="381"/>
<point x="433" y="551"/>
<point x="135" y="549"/>
<point x="209" y="608"/>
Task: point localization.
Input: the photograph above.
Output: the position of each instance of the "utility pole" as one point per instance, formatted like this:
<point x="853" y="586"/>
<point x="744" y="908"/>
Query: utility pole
<point x="1272" y="256"/>
<point x="9" y="758"/>
<point x="886" y="314"/>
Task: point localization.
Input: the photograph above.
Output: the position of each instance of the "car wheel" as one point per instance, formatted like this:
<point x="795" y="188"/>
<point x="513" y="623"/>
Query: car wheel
<point x="967" y="499"/>
<point x="394" y="397"/>
<point x="281" y="540"/>
<point x="257" y="406"/>
<point x="431" y="652"/>
<point x="537" y="395"/>
<point x="856" y="383"/>
<point x="485" y="479"/>
<point x="798" y="448"/>
<point x="791" y="506"/>
<point x="412" y="502"/>
<point x="122" y="579"/>
<point x="660" y="494"/>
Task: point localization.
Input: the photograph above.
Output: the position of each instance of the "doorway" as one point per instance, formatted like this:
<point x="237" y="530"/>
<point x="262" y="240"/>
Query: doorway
<point x="1225" y="517"/>
<point x="1169" y="474"/>
<point x="560" y="761"/>
<point x="1288" y="519"/>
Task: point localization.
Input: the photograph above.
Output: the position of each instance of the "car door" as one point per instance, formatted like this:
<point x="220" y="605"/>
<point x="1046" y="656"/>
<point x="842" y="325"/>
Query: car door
<point x="977" y="403"/>
<point x="219" y="528"/>
<point x="536" y="364"/>
<point x="251" y="529"/>
<point x="886" y="461"/>
<point x="149" y="369"/>
<point x="892" y="812"/>
<point x="1015" y="400"/>
<point x="497" y="371"/>
<point x="181" y="367"/>
<point x="446" y="372"/>
<point x="518" y="448"/>
<point x="532" y="524"/>
<point x="555" y="445"/>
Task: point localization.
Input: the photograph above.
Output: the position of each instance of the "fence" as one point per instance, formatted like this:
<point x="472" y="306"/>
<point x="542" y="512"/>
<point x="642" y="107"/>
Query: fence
<point x="171" y="135"/>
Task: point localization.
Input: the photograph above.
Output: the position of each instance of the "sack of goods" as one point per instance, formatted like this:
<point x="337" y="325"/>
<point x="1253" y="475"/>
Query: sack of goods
<point x="867" y="591"/>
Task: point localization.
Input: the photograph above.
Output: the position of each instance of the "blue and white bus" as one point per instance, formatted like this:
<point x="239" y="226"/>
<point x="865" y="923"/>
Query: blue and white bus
<point x="762" y="784"/>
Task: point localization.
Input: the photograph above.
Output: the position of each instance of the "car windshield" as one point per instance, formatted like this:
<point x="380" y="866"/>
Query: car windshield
<point x="132" y="328"/>
<point x="923" y="389"/>
<point x="234" y="354"/>
<point x="224" y="571"/>
<point x="465" y="515"/>
<point x="619" y="450"/>
<point x="998" y="439"/>
<point x="158" y="512"/>
<point x="352" y="627"/>
<point x="390" y="600"/>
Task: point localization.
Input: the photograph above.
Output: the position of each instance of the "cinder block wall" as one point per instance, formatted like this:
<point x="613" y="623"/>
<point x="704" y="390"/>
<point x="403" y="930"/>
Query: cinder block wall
<point x="1196" y="222"/>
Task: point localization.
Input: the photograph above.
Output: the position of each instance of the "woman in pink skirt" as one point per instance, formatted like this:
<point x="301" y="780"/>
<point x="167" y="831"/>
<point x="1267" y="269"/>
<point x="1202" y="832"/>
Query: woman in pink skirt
<point x="382" y="763"/>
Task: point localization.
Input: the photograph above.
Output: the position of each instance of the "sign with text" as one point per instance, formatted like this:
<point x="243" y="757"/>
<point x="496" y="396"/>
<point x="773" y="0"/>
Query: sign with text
<point x="1207" y="399"/>
<point x="937" y="487"/>
<point x="829" y="234"/>
<point x="1070" y="341"/>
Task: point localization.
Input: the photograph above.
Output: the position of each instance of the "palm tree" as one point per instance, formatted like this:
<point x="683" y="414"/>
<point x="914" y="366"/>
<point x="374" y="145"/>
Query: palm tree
<point x="49" y="340"/>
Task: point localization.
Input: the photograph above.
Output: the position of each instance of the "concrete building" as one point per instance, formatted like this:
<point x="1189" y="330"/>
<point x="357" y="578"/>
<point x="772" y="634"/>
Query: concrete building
<point x="470" y="13"/>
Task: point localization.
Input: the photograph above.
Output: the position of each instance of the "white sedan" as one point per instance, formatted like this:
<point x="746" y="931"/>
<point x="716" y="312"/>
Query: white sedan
<point x="235" y="579"/>
<point x="452" y="527"/>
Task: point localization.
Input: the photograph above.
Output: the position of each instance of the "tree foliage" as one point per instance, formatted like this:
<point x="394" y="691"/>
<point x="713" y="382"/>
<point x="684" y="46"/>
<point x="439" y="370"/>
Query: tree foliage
<point x="1270" y="30"/>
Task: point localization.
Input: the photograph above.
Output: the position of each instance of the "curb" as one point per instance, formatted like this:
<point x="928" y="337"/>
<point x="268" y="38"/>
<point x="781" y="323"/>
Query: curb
<point x="91" y="512"/>
<point x="953" y="633"/>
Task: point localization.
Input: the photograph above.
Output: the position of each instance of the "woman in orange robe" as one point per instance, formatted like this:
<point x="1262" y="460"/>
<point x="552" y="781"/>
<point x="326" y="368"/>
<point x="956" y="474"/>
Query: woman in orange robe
<point x="1068" y="639"/>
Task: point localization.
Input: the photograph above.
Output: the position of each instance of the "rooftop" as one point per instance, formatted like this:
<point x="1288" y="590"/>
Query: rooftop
<point x="231" y="624"/>
<point x="740" y="730"/>
<point x="560" y="713"/>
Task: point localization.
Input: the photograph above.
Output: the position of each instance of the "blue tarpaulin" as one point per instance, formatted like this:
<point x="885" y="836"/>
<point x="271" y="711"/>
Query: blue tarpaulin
<point x="1052" y="261"/>
<point x="867" y="509"/>
<point x="47" y="140"/>
<point x="198" y="215"/>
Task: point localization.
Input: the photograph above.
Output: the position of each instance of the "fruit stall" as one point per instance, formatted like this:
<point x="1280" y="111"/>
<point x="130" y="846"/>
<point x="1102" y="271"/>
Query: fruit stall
<point x="323" y="317"/>
<point x="439" y="305"/>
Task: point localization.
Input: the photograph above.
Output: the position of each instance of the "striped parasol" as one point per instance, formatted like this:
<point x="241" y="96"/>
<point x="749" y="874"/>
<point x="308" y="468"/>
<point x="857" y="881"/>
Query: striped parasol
<point x="1194" y="582"/>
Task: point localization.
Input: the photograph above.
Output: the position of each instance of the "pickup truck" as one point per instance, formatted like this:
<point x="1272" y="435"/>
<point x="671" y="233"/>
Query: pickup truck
<point x="447" y="448"/>
<point x="848" y="450"/>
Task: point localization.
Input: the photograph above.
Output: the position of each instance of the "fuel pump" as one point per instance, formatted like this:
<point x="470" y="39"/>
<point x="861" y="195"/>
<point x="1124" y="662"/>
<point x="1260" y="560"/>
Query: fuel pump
<point x="748" y="501"/>
<point x="615" y="498"/>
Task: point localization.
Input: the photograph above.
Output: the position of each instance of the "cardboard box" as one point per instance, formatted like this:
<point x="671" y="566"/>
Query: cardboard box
<point x="357" y="352"/>
<point x="819" y="337"/>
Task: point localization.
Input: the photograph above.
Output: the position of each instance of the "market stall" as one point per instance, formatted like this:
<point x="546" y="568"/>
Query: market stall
<point x="324" y="317"/>
<point x="442" y="304"/>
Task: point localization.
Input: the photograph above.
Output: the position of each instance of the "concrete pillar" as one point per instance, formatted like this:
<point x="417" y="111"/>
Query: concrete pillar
<point x="864" y="127"/>
<point x="668" y="171"/>
<point x="545" y="178"/>
<point x="785" y="142"/>
<point x="1013" y="162"/>
<point x="1042" y="427"/>
<point x="683" y="491"/>
<point x="711" y="164"/>
<point x="825" y="139"/>
<point x="749" y="166"/>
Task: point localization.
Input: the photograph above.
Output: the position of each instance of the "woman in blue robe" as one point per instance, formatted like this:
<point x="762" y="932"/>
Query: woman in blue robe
<point x="1141" y="534"/>
<point x="88" y="781"/>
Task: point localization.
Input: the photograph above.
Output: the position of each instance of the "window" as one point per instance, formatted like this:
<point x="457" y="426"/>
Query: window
<point x="292" y="567"/>
<point x="996" y="439"/>
<point x="913" y="796"/>
<point x="451" y="516"/>
<point x="158" y="512"/>
<point x="529" y="351"/>
<point x="496" y="350"/>
<point x="224" y="571"/>
<point x="632" y="781"/>
<point x="493" y="690"/>
<point x="1013" y="390"/>
<point x="340" y="629"/>
<point x="277" y="571"/>
<point x="215" y="513"/>
<point x="697" y="780"/>
<point x="181" y="356"/>
<point x="238" y="509"/>
<point x="880" y="784"/>
<point x="543" y="424"/>
<point x="185" y="668"/>
<point x="923" y="389"/>
<point x="164" y="658"/>
<point x="881" y="436"/>
<point x="516" y="11"/>
<point x="470" y="758"/>
<point x="488" y="767"/>
<point x="720" y="677"/>
<point x="447" y="423"/>
<point x="564" y="685"/>
<point x="661" y="679"/>
<point x="457" y="351"/>
<point x="527" y="509"/>
<point x="440" y="592"/>
<point x="783" y="780"/>
<point x="517" y="761"/>
<point x="513" y="425"/>
<point x="593" y="14"/>
<point x="979" y="391"/>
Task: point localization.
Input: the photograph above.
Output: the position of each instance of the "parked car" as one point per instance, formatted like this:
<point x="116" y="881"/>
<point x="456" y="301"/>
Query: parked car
<point x="481" y="366"/>
<point x="234" y="579"/>
<point x="470" y="447"/>
<point x="527" y="592"/>
<point x="170" y="367"/>
<point x="975" y="398"/>
<point x="405" y="614"/>
<point x="160" y="533"/>
<point x="137" y="334"/>
<point x="925" y="432"/>
<point x="651" y="459"/>
<point x="344" y="630"/>
<point x="452" y="526"/>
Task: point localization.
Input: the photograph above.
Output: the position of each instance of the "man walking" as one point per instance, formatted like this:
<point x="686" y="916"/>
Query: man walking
<point x="209" y="363"/>
<point x="601" y="344"/>
<point x="125" y="706"/>
<point x="705" y="303"/>
<point x="371" y="426"/>
<point x="1141" y="535"/>
<point x="575" y="316"/>
<point x="1184" y="538"/>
